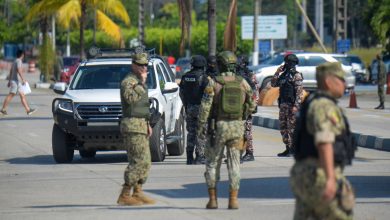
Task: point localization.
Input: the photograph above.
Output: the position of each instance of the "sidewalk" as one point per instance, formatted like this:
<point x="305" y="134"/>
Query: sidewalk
<point x="371" y="127"/>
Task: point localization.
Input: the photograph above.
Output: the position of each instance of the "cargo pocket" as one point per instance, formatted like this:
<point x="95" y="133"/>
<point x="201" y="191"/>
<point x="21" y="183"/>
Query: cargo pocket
<point x="134" y="125"/>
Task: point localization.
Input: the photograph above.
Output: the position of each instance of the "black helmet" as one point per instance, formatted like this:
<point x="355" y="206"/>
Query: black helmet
<point x="242" y="60"/>
<point x="211" y="60"/>
<point x="198" y="61"/>
<point x="291" y="59"/>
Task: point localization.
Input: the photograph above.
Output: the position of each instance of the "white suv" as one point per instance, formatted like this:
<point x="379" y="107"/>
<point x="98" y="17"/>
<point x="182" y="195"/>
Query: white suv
<point x="87" y="116"/>
<point x="307" y="66"/>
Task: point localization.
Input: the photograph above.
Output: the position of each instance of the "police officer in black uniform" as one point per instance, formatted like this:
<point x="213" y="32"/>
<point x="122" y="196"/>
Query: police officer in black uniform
<point x="212" y="66"/>
<point x="192" y="85"/>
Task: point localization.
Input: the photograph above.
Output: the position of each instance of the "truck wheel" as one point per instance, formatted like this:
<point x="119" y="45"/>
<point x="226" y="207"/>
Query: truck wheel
<point x="87" y="153"/>
<point x="157" y="142"/>
<point x="177" y="147"/>
<point x="62" y="151"/>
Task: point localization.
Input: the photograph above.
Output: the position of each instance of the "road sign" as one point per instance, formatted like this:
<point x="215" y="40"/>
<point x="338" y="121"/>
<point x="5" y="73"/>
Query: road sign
<point x="268" y="27"/>
<point x="343" y="46"/>
<point x="264" y="47"/>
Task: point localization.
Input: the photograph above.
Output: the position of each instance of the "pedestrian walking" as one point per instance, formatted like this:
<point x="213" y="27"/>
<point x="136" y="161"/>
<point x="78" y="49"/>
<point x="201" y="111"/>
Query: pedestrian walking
<point x="15" y="85"/>
<point x="249" y="76"/>
<point x="227" y="100"/>
<point x="192" y="86"/>
<point x="324" y="146"/>
<point x="289" y="81"/>
<point x="135" y="130"/>
<point x="381" y="81"/>
<point x="58" y="66"/>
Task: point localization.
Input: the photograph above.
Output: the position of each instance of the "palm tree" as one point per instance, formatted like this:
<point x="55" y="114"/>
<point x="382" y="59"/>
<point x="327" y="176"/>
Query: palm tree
<point x="75" y="11"/>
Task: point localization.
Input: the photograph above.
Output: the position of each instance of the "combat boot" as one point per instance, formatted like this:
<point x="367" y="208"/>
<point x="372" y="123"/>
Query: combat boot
<point x="139" y="195"/>
<point x="126" y="199"/>
<point x="248" y="157"/>
<point x="381" y="106"/>
<point x="233" y="201"/>
<point x="285" y="153"/>
<point x="212" y="204"/>
<point x="190" y="157"/>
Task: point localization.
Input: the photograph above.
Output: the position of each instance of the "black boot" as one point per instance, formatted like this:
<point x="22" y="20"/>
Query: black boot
<point x="381" y="106"/>
<point x="285" y="153"/>
<point x="190" y="157"/>
<point x="248" y="157"/>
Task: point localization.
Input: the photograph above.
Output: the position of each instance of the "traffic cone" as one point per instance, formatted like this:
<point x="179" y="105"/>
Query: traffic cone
<point x="31" y="66"/>
<point x="352" y="99"/>
<point x="388" y="84"/>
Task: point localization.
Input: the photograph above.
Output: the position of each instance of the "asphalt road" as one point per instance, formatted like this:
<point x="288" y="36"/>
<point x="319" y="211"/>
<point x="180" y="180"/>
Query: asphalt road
<point x="33" y="186"/>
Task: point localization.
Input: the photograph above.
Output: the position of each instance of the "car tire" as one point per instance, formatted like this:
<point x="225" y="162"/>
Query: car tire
<point x="157" y="142"/>
<point x="87" y="153"/>
<point x="63" y="152"/>
<point x="177" y="147"/>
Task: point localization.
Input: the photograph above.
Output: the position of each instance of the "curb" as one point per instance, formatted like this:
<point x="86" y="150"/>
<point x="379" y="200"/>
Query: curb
<point x="366" y="141"/>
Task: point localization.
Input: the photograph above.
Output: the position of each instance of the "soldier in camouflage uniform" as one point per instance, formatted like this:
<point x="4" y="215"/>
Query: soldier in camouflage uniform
<point x="381" y="82"/>
<point x="135" y="130"/>
<point x="323" y="146"/>
<point x="247" y="74"/>
<point x="192" y="85"/>
<point x="289" y="81"/>
<point x="226" y="101"/>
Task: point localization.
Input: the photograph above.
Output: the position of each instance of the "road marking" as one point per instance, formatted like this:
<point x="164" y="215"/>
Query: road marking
<point x="33" y="134"/>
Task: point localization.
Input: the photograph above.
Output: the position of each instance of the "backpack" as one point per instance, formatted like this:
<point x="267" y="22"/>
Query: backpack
<point x="231" y="100"/>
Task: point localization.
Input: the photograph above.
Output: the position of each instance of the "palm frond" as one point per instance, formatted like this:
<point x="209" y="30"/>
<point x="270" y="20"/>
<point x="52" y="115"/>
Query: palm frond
<point x="68" y="13"/>
<point x="105" y="24"/>
<point x="115" y="8"/>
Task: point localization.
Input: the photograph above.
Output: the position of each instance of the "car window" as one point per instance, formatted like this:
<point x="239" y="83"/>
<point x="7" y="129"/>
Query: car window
<point x="105" y="77"/>
<point x="302" y="61"/>
<point x="354" y="59"/>
<point x="275" y="61"/>
<point x="314" y="61"/>
<point x="165" y="72"/>
<point x="160" y="76"/>
<point x="344" y="60"/>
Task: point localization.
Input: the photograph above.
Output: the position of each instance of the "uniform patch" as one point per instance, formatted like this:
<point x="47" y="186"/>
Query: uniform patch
<point x="188" y="79"/>
<point x="334" y="118"/>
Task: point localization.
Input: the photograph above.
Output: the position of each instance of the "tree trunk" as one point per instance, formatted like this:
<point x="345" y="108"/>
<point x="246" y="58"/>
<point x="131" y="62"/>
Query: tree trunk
<point x="212" y="5"/>
<point x="82" y="27"/>
<point x="141" y="18"/>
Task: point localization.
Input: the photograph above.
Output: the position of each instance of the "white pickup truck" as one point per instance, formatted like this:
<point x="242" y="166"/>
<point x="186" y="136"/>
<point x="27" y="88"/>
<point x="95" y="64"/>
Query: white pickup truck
<point x="87" y="116"/>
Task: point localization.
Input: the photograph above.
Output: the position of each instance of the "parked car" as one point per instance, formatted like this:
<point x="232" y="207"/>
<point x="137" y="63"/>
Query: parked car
<point x="70" y="66"/>
<point x="374" y="68"/>
<point x="357" y="65"/>
<point x="87" y="116"/>
<point x="183" y="65"/>
<point x="307" y="66"/>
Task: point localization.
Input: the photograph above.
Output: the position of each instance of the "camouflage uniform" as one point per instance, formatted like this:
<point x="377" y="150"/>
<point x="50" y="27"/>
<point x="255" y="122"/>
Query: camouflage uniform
<point x="248" y="75"/>
<point x="286" y="115"/>
<point x="228" y="133"/>
<point x="193" y="143"/>
<point x="381" y="82"/>
<point x="134" y="132"/>
<point x="322" y="122"/>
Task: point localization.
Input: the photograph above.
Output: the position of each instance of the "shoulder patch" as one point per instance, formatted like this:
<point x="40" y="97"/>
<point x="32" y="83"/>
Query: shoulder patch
<point x="334" y="117"/>
<point x="209" y="90"/>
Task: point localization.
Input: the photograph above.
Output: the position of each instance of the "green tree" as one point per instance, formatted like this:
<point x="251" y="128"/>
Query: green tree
<point x="379" y="12"/>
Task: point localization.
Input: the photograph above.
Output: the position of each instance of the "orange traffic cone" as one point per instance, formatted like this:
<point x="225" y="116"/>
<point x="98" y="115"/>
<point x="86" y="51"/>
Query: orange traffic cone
<point x="352" y="99"/>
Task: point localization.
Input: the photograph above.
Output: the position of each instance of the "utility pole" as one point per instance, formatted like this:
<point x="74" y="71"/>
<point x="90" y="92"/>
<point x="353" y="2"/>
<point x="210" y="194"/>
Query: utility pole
<point x="319" y="18"/>
<point x="255" y="60"/>
<point x="141" y="34"/>
<point x="339" y="21"/>
<point x="303" y="21"/>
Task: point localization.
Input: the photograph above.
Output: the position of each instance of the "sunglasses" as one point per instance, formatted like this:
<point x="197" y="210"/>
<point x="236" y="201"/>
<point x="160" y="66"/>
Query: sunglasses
<point x="143" y="65"/>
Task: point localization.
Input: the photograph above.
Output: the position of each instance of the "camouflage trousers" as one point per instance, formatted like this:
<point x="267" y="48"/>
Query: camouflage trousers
<point x="248" y="135"/>
<point x="308" y="182"/>
<point x="381" y="93"/>
<point x="229" y="134"/>
<point x="287" y="122"/>
<point x="192" y="114"/>
<point x="138" y="155"/>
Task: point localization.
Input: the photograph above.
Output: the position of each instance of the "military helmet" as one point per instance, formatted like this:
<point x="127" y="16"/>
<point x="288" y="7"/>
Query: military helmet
<point x="198" y="61"/>
<point x="291" y="59"/>
<point x="226" y="57"/>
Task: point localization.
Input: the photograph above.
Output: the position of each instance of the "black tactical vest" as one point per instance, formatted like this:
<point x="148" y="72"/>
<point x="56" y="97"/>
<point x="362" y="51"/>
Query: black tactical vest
<point x="139" y="109"/>
<point x="193" y="86"/>
<point x="344" y="146"/>
<point x="287" y="88"/>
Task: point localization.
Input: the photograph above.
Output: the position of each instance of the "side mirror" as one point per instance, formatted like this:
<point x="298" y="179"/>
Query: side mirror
<point x="60" y="88"/>
<point x="170" y="87"/>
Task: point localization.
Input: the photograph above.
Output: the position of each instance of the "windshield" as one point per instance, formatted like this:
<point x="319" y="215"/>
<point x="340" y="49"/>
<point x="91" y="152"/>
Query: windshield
<point x="106" y="77"/>
<point x="277" y="60"/>
<point x="344" y="60"/>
